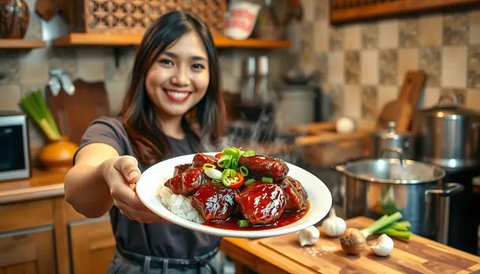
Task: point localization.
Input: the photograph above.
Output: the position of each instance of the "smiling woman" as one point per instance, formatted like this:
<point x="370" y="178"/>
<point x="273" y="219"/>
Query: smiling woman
<point x="178" y="80"/>
<point x="173" y="106"/>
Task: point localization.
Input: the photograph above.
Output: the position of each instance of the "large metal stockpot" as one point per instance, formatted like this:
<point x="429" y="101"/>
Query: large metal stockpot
<point x="385" y="185"/>
<point x="448" y="135"/>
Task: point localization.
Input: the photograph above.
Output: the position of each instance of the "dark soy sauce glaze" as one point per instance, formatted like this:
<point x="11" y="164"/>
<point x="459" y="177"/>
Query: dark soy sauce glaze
<point x="288" y="217"/>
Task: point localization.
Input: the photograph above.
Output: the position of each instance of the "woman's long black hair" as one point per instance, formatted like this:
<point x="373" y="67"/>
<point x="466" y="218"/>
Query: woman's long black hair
<point x="138" y="113"/>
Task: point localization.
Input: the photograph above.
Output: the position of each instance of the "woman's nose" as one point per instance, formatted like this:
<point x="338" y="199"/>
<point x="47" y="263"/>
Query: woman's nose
<point x="180" y="77"/>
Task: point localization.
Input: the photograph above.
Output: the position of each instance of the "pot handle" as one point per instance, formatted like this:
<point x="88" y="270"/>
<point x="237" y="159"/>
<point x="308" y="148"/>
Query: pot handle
<point x="444" y="209"/>
<point x="447" y="191"/>
<point x="453" y="99"/>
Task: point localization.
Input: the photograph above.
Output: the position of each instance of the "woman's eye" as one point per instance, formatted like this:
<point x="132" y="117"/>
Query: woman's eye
<point x="166" y="62"/>
<point x="198" y="66"/>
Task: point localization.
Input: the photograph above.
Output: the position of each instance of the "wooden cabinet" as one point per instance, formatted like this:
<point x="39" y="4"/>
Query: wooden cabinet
<point x="26" y="238"/>
<point x="28" y="251"/>
<point x="46" y="236"/>
<point x="353" y="10"/>
<point x="92" y="245"/>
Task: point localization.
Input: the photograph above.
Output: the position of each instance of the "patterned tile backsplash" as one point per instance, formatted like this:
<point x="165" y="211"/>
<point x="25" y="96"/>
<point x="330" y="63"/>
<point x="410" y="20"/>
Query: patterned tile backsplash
<point x="361" y="65"/>
<point x="445" y="45"/>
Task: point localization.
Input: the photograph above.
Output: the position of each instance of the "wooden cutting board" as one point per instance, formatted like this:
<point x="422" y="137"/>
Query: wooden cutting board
<point x="419" y="255"/>
<point x="401" y="110"/>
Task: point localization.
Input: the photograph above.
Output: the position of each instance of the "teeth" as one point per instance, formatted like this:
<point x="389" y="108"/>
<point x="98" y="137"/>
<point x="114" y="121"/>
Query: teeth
<point x="178" y="95"/>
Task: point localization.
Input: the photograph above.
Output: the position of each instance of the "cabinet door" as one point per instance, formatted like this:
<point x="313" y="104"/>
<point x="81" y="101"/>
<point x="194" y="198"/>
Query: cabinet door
<point x="27" y="251"/>
<point x="92" y="245"/>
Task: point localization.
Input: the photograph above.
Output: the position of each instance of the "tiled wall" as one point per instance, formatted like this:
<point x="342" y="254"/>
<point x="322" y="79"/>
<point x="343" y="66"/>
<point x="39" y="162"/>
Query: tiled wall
<point x="362" y="64"/>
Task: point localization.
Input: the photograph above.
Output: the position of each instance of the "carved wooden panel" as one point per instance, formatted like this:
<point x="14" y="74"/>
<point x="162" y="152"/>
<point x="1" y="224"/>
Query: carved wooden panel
<point x="134" y="16"/>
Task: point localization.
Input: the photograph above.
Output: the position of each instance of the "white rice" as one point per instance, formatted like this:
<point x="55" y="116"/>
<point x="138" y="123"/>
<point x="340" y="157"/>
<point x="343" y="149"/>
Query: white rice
<point x="179" y="204"/>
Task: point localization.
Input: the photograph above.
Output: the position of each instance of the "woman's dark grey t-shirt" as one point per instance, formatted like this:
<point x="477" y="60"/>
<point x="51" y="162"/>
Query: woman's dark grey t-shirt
<point x="157" y="239"/>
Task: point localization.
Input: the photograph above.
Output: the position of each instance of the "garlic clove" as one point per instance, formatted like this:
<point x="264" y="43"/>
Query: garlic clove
<point x="334" y="226"/>
<point x="383" y="246"/>
<point x="308" y="236"/>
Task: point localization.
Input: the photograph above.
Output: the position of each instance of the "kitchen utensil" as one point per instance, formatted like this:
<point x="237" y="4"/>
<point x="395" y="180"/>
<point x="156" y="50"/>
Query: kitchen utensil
<point x="448" y="135"/>
<point x="382" y="139"/>
<point x="386" y="185"/>
<point x="401" y="110"/>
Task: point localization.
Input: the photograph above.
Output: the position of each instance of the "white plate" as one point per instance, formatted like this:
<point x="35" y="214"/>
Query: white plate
<point x="318" y="195"/>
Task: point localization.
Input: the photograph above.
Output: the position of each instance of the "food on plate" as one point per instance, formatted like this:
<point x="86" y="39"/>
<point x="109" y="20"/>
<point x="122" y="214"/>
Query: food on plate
<point x="235" y="187"/>
<point x="187" y="182"/>
<point x="213" y="201"/>
<point x="308" y="236"/>
<point x="261" y="203"/>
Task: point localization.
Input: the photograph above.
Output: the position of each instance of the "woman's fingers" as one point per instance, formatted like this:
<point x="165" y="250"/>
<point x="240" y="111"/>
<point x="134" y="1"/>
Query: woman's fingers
<point x="128" y="167"/>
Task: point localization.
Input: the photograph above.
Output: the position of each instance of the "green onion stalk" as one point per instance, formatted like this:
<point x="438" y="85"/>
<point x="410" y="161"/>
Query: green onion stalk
<point x="37" y="109"/>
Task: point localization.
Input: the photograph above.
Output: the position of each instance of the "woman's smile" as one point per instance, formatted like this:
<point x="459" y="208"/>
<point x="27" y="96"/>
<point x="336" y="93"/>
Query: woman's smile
<point x="177" y="96"/>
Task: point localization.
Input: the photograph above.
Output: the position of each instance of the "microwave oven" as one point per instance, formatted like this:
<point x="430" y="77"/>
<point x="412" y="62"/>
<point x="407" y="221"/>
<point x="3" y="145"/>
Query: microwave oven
<point x="14" y="146"/>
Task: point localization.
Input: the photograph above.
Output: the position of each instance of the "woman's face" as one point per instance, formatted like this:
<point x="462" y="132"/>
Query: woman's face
<point x="179" y="78"/>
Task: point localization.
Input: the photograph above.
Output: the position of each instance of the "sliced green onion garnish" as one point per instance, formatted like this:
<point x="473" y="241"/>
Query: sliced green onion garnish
<point x="243" y="171"/>
<point x="248" y="153"/>
<point x="226" y="181"/>
<point x="243" y="223"/>
<point x="234" y="163"/>
<point x="224" y="161"/>
<point x="249" y="181"/>
<point x="267" y="179"/>
<point x="213" y="173"/>
<point x="208" y="165"/>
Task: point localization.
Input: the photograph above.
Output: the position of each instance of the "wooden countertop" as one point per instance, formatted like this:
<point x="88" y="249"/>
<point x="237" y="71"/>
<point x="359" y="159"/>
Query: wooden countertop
<point x="283" y="254"/>
<point x="42" y="184"/>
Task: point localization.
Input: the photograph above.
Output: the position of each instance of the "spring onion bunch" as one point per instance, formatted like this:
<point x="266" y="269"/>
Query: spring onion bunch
<point x="37" y="109"/>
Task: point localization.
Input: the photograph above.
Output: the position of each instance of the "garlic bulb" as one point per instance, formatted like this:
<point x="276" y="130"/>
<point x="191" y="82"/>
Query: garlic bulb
<point x="334" y="226"/>
<point x="353" y="241"/>
<point x="308" y="236"/>
<point x="383" y="246"/>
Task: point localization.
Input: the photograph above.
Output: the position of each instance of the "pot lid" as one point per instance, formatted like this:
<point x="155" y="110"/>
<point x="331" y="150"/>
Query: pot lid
<point x="447" y="107"/>
<point x="390" y="133"/>
<point x="395" y="171"/>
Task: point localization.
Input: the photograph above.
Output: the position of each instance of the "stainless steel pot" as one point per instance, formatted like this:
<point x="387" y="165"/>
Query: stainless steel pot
<point x="448" y="135"/>
<point x="382" y="186"/>
<point x="391" y="138"/>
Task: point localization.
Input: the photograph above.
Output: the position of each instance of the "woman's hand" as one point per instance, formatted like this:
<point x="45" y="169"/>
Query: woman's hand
<point x="121" y="174"/>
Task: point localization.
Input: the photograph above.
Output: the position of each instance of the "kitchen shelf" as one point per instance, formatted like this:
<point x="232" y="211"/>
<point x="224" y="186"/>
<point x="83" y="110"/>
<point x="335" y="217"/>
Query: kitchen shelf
<point x="21" y="44"/>
<point x="108" y="40"/>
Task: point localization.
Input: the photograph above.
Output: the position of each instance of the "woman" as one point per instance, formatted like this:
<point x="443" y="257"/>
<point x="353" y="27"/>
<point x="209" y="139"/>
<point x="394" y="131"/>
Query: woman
<point x="173" y="107"/>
